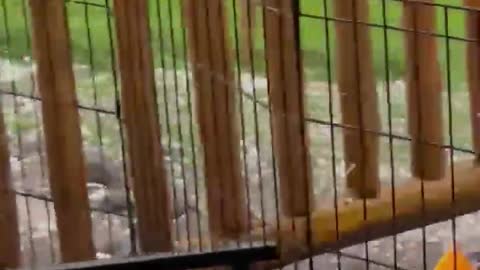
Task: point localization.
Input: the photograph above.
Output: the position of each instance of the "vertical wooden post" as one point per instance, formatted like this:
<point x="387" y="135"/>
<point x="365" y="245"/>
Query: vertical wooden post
<point x="358" y="98"/>
<point x="424" y="86"/>
<point x="285" y="72"/>
<point x="247" y="28"/>
<point x="142" y="125"/>
<point x="215" y="101"/>
<point x="55" y="80"/>
<point x="473" y="70"/>
<point x="9" y="235"/>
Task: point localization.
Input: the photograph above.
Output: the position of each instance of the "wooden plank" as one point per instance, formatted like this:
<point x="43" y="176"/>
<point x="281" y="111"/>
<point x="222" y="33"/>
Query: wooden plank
<point x="358" y="98"/>
<point x="473" y="70"/>
<point x="247" y="30"/>
<point x="286" y="93"/>
<point x="424" y="86"/>
<point x="9" y="234"/>
<point x="152" y="198"/>
<point x="66" y="165"/>
<point x="215" y="102"/>
<point x="355" y="229"/>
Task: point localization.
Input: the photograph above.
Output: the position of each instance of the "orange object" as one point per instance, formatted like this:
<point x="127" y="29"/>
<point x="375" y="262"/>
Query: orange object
<point x="447" y="261"/>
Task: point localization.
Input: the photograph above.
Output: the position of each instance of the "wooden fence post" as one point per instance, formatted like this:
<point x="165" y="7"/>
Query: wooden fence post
<point x="9" y="234"/>
<point x="215" y="102"/>
<point x="285" y="79"/>
<point x="151" y="191"/>
<point x="247" y="24"/>
<point x="424" y="86"/>
<point x="358" y="98"/>
<point x="473" y="71"/>
<point x="55" y="80"/>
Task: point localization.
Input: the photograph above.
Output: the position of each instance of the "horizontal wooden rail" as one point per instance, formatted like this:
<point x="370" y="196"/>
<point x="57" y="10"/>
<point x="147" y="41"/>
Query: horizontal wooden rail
<point x="354" y="228"/>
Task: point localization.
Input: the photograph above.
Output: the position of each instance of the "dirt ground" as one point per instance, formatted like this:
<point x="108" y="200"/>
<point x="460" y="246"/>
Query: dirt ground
<point x="111" y="233"/>
<point x="112" y="239"/>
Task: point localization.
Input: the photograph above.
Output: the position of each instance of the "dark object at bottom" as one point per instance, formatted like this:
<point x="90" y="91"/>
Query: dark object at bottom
<point x="238" y="259"/>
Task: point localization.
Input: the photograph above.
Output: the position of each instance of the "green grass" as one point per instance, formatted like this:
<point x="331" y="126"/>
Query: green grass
<point x="313" y="35"/>
<point x="85" y="23"/>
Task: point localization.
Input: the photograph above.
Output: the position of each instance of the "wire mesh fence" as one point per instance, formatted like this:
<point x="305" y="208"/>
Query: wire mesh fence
<point x="345" y="132"/>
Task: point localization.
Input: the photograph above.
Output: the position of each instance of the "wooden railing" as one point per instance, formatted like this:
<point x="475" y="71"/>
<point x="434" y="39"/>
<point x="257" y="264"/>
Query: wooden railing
<point x="434" y="192"/>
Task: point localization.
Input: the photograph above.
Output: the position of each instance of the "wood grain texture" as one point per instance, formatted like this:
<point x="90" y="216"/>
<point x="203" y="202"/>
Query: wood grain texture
<point x="472" y="21"/>
<point x="424" y="86"/>
<point x="286" y="93"/>
<point x="9" y="234"/>
<point x="147" y="168"/>
<point x="66" y="165"/>
<point x="358" y="98"/>
<point x="217" y="116"/>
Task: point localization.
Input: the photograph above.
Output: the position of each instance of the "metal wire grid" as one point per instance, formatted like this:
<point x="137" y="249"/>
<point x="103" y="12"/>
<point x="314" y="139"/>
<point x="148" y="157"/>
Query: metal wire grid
<point x="167" y="30"/>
